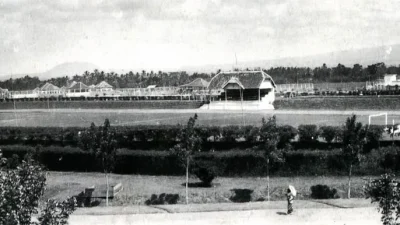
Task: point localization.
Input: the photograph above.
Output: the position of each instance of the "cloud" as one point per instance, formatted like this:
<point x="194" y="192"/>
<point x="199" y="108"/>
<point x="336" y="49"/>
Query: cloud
<point x="124" y="33"/>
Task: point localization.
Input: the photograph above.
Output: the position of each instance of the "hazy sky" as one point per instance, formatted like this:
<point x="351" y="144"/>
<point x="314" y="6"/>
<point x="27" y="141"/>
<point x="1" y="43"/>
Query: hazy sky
<point x="123" y="34"/>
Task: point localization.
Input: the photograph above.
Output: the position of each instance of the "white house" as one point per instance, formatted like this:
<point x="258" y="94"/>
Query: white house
<point x="78" y="89"/>
<point x="103" y="87"/>
<point x="49" y="90"/>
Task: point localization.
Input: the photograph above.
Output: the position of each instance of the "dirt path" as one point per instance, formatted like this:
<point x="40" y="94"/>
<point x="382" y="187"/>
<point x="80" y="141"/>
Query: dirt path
<point x="315" y="216"/>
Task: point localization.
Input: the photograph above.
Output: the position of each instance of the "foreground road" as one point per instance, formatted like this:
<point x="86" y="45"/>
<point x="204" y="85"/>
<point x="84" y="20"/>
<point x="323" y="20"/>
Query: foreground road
<point x="324" y="216"/>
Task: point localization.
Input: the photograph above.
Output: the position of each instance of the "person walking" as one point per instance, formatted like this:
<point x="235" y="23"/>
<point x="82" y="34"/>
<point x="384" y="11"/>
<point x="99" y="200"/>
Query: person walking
<point x="291" y="193"/>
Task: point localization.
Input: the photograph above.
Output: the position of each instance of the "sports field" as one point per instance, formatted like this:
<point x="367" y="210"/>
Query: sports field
<point x="129" y="117"/>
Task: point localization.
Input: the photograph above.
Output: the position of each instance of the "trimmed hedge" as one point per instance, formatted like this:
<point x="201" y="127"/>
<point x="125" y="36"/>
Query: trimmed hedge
<point x="308" y="133"/>
<point x="156" y="137"/>
<point x="227" y="163"/>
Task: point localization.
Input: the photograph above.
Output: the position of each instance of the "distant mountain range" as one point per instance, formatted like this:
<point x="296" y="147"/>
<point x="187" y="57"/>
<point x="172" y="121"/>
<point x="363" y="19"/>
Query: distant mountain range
<point x="64" y="69"/>
<point x="390" y="55"/>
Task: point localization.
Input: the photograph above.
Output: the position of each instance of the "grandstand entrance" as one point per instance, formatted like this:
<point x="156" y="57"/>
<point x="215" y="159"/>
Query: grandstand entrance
<point x="244" y="94"/>
<point x="235" y="91"/>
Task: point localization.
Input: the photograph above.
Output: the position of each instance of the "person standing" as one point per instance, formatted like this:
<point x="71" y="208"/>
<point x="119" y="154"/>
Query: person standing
<point x="291" y="193"/>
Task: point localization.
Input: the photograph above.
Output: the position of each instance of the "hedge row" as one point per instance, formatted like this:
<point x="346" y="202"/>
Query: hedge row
<point x="229" y="163"/>
<point x="163" y="137"/>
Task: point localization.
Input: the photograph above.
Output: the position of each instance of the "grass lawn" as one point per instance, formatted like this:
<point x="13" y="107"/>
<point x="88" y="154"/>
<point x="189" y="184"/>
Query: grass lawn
<point x="83" y="118"/>
<point x="137" y="189"/>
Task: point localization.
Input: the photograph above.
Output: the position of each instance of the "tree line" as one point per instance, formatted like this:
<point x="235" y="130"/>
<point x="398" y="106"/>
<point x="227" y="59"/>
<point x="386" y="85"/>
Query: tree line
<point x="281" y="75"/>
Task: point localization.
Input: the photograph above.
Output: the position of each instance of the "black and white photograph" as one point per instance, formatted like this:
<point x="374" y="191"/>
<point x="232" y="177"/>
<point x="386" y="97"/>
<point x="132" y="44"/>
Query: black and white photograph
<point x="199" y="112"/>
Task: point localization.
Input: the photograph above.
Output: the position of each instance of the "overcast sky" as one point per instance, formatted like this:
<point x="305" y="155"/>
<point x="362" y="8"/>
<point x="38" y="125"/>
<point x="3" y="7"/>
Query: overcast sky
<point x="123" y="34"/>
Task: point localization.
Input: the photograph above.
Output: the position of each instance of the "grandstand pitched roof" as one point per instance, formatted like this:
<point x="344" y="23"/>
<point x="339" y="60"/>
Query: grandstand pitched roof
<point x="199" y="82"/>
<point x="249" y="79"/>
<point x="78" y="86"/>
<point x="104" y="84"/>
<point x="49" y="87"/>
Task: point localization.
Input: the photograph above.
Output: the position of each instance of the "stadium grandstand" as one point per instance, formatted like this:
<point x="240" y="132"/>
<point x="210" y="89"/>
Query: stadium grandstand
<point x="241" y="90"/>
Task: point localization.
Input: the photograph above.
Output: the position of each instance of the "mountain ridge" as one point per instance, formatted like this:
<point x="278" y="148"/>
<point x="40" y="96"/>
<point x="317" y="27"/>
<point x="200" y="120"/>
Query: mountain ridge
<point x="389" y="54"/>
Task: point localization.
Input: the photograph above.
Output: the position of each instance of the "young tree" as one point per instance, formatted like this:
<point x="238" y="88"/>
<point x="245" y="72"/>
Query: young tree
<point x="103" y="146"/>
<point x="107" y="151"/>
<point x="189" y="143"/>
<point x="353" y="142"/>
<point x="269" y="138"/>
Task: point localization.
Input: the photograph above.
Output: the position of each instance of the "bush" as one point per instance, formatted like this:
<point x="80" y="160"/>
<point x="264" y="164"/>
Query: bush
<point x="21" y="189"/>
<point x="206" y="171"/>
<point x="308" y="133"/>
<point x="386" y="192"/>
<point x="330" y="133"/>
<point x="241" y="195"/>
<point x="286" y="134"/>
<point x="57" y="212"/>
<point x="230" y="133"/>
<point x="374" y="134"/>
<point x="320" y="191"/>
<point x="237" y="162"/>
<point x="13" y="162"/>
<point x="162" y="199"/>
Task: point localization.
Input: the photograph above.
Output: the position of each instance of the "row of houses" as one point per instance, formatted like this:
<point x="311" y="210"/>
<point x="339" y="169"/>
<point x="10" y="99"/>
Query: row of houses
<point x="75" y="89"/>
<point x="226" y="90"/>
<point x="104" y="89"/>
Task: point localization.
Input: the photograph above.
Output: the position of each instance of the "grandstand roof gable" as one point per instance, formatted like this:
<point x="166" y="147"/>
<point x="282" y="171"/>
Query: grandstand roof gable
<point x="249" y="79"/>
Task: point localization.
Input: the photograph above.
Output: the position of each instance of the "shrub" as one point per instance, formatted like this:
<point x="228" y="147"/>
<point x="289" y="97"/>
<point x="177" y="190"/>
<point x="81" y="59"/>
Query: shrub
<point x="21" y="189"/>
<point x="250" y="134"/>
<point x="241" y="195"/>
<point x="230" y="133"/>
<point x="57" y="212"/>
<point x="308" y="133"/>
<point x="374" y="134"/>
<point x="13" y="162"/>
<point x="286" y="134"/>
<point x="329" y="133"/>
<point x="206" y="171"/>
<point x="320" y="191"/>
<point x="385" y="191"/>
<point x="162" y="199"/>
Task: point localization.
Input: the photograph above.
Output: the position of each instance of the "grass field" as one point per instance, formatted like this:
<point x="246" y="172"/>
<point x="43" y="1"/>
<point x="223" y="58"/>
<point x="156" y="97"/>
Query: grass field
<point x="83" y="118"/>
<point x="137" y="189"/>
